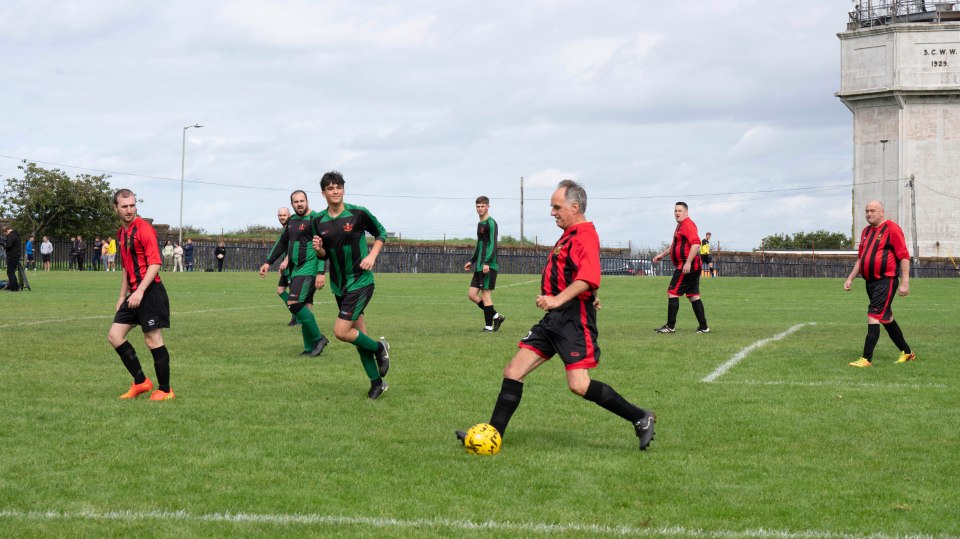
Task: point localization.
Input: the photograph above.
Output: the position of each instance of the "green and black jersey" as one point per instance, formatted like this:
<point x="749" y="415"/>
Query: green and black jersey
<point x="486" y="251"/>
<point x="344" y="239"/>
<point x="296" y="239"/>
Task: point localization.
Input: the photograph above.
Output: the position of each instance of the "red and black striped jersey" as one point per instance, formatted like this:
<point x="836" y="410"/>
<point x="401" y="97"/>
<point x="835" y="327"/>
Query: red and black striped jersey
<point x="575" y="257"/>
<point x="684" y="238"/>
<point x="882" y="247"/>
<point x="138" y="248"/>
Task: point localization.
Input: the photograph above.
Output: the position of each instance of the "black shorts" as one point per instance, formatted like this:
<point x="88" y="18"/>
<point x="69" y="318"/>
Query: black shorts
<point x="881" y="293"/>
<point x="706" y="259"/>
<point x="30" y="258"/>
<point x="302" y="288"/>
<point x="353" y="303"/>
<point x="571" y="332"/>
<point x="684" y="285"/>
<point x="153" y="312"/>
<point x="484" y="281"/>
<point x="45" y="258"/>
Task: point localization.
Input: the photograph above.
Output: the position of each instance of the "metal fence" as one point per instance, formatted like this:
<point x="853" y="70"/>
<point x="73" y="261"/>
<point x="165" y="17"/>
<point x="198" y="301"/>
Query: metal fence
<point x="399" y="258"/>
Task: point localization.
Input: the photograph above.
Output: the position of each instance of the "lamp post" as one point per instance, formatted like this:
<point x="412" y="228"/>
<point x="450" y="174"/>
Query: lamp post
<point x="183" y="160"/>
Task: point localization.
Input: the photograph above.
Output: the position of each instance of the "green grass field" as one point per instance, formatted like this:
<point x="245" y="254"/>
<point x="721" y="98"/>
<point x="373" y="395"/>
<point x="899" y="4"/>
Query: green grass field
<point x="788" y="443"/>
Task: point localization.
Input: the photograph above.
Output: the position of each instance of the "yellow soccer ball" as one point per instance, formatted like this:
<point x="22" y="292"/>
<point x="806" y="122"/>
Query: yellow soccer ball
<point x="483" y="439"/>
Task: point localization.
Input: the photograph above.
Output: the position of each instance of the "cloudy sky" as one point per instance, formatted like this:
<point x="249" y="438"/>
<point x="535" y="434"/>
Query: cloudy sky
<point x="423" y="105"/>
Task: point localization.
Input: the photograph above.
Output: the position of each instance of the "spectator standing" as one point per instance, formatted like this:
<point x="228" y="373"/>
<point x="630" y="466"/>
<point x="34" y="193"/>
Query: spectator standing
<point x="111" y="254"/>
<point x="72" y="259"/>
<point x="81" y="249"/>
<point x="188" y="254"/>
<point x="46" y="251"/>
<point x="178" y="258"/>
<point x="97" y="253"/>
<point x="104" y="251"/>
<point x="167" y="256"/>
<point x="31" y="261"/>
<point x="221" y="253"/>
<point x="12" y="248"/>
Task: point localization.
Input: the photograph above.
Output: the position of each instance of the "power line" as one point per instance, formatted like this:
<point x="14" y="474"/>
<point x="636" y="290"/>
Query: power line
<point x="438" y="197"/>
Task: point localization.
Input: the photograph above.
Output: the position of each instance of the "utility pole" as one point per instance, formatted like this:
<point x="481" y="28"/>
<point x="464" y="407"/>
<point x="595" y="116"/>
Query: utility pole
<point x="521" y="210"/>
<point x="913" y="224"/>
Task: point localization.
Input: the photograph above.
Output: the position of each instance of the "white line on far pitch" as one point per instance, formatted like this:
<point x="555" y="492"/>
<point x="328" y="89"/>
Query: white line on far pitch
<point x="746" y="351"/>
<point x="442" y="523"/>
<point x="110" y="316"/>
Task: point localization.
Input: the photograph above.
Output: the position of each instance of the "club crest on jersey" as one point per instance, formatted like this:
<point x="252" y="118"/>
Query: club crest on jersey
<point x="347" y="227"/>
<point x="303" y="226"/>
<point x="559" y="248"/>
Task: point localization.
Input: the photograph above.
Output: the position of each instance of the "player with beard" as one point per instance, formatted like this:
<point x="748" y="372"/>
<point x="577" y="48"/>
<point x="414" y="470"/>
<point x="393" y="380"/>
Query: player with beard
<point x="143" y="300"/>
<point x="305" y="270"/>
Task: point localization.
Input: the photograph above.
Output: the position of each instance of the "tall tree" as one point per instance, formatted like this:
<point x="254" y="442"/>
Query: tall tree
<point x="51" y="203"/>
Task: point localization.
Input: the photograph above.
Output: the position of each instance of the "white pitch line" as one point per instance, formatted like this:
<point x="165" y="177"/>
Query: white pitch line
<point x="466" y="525"/>
<point x="519" y="284"/>
<point x="746" y="351"/>
<point x="826" y="383"/>
<point x="110" y="316"/>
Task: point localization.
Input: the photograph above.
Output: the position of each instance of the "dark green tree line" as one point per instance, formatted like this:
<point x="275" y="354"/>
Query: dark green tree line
<point x="805" y="241"/>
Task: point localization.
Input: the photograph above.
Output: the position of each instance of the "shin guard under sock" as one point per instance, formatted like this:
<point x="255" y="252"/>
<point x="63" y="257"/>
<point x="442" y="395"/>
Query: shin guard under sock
<point x="511" y="391"/>
<point x="673" y="306"/>
<point x="873" y="335"/>
<point x="893" y="330"/>
<point x="364" y="342"/>
<point x="161" y="363"/>
<point x="129" y="358"/>
<point x="610" y="400"/>
<point x="698" y="311"/>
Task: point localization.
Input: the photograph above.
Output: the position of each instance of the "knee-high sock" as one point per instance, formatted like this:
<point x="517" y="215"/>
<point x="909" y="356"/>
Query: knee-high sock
<point x="284" y="296"/>
<point x="129" y="358"/>
<point x="369" y="363"/>
<point x="893" y="330"/>
<point x="873" y="335"/>
<point x="488" y="313"/>
<point x="364" y="342"/>
<point x="673" y="305"/>
<point x="698" y="310"/>
<point x="308" y="325"/>
<point x="511" y="391"/>
<point x="161" y="363"/>
<point x="610" y="400"/>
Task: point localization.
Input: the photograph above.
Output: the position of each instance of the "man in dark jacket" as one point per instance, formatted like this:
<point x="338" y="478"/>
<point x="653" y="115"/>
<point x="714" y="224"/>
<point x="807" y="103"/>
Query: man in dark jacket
<point x="12" y="247"/>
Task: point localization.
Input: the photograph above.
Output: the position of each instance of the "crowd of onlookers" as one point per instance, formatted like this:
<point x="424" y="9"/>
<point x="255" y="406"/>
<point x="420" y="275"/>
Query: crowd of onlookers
<point x="100" y="255"/>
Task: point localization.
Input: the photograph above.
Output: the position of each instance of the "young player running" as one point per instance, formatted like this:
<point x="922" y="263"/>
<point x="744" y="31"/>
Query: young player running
<point x="304" y="269"/>
<point x="341" y="240"/>
<point x="143" y="300"/>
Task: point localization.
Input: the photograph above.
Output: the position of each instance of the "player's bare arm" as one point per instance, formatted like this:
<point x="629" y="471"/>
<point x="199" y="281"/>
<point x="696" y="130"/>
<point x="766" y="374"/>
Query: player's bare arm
<point x="904" y="288"/>
<point x="853" y="275"/>
<point x="318" y="247"/>
<point x="134" y="300"/>
<point x="467" y="266"/>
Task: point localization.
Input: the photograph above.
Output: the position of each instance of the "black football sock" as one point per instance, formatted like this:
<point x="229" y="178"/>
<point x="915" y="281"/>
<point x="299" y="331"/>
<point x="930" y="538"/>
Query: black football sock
<point x="673" y="306"/>
<point x="873" y="335"/>
<point x="161" y="363"/>
<point x="129" y="358"/>
<point x="610" y="400"/>
<point x="698" y="310"/>
<point x="488" y="313"/>
<point x="511" y="391"/>
<point x="893" y="329"/>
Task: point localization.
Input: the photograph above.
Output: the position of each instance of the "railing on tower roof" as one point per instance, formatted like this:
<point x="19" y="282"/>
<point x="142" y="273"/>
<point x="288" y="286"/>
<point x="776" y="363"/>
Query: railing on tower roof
<point x="870" y="13"/>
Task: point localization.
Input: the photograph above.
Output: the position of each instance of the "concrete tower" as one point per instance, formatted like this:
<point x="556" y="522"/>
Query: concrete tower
<point x="900" y="77"/>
